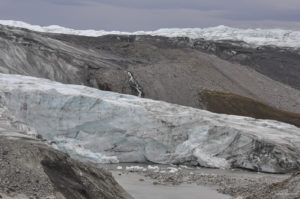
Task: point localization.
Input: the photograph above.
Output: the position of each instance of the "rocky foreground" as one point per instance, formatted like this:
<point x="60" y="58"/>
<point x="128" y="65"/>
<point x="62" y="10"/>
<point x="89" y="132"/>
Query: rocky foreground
<point x="29" y="168"/>
<point x="100" y="126"/>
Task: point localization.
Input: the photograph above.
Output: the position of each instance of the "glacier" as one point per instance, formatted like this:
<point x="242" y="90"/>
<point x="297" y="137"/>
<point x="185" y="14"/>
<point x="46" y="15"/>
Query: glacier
<point x="102" y="126"/>
<point x="255" y="37"/>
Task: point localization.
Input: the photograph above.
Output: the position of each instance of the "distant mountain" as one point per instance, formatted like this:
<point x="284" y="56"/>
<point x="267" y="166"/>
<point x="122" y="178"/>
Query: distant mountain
<point x="255" y="37"/>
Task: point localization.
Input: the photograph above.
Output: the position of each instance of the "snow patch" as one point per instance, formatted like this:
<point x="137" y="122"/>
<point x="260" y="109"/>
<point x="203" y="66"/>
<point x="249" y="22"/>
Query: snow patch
<point x="135" y="168"/>
<point x="172" y="170"/>
<point x="153" y="168"/>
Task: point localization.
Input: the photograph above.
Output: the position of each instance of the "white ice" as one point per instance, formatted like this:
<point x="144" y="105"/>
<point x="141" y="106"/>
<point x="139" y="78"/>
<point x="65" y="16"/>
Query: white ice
<point x="104" y="126"/>
<point x="257" y="37"/>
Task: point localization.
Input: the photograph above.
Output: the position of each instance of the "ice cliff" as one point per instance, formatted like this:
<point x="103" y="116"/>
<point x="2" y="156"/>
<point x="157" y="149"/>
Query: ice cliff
<point x="108" y="127"/>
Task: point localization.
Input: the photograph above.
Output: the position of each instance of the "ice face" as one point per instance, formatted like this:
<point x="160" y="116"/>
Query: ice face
<point x="102" y="126"/>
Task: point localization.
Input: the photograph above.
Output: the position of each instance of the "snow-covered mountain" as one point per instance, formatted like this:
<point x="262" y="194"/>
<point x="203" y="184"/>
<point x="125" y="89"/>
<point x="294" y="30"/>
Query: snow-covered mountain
<point x="257" y="37"/>
<point x="104" y="126"/>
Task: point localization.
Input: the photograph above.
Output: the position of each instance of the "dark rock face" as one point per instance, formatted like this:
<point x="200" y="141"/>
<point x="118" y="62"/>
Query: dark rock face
<point x="169" y="69"/>
<point x="80" y="180"/>
<point x="38" y="171"/>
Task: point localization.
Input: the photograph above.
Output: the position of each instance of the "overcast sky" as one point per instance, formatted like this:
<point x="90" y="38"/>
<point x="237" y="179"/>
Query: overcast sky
<point x="132" y="15"/>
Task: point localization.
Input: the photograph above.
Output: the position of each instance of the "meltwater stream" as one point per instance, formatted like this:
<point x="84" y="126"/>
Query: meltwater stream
<point x="146" y="190"/>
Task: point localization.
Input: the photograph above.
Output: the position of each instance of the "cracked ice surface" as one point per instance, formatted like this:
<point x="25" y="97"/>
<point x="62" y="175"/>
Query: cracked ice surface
<point x="124" y="128"/>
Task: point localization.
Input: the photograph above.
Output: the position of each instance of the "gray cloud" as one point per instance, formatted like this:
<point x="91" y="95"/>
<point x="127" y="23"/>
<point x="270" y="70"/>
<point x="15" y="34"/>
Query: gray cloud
<point x="164" y="4"/>
<point x="130" y="15"/>
<point x="67" y="2"/>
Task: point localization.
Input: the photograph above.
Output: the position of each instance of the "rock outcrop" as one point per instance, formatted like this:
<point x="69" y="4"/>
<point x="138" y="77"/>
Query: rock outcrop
<point x="30" y="168"/>
<point x="108" y="127"/>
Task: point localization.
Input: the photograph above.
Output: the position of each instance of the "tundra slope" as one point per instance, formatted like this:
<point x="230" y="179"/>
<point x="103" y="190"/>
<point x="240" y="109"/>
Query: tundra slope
<point x="30" y="168"/>
<point x="161" y="68"/>
<point x="278" y="63"/>
<point x="104" y="126"/>
<point x="233" y="104"/>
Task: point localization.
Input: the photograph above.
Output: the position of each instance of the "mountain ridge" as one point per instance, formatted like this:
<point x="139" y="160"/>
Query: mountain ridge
<point x="256" y="37"/>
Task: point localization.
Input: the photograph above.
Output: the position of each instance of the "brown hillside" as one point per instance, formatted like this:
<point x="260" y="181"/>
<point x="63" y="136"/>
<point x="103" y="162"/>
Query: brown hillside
<point x="228" y="103"/>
